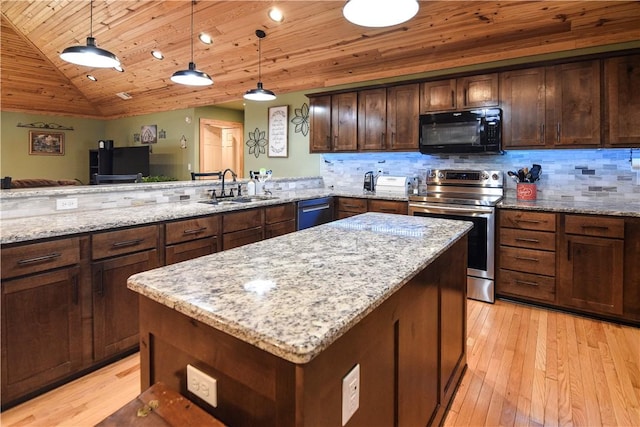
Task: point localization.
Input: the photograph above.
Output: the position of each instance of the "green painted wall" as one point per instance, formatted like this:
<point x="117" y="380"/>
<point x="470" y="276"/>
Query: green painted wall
<point x="299" y="161"/>
<point x="15" y="160"/>
<point x="167" y="158"/>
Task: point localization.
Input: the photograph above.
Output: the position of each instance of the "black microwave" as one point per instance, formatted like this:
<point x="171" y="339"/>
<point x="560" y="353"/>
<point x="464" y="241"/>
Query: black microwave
<point x="472" y="131"/>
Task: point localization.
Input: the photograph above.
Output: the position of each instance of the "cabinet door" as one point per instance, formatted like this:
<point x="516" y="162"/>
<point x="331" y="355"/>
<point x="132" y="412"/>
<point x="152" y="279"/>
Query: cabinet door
<point x="573" y="104"/>
<point x="438" y="96"/>
<point x="522" y="98"/>
<point x="477" y="91"/>
<point x="344" y="121"/>
<point x="41" y="331"/>
<point x="241" y="238"/>
<point x="279" y="229"/>
<point x="320" y="129"/>
<point x="403" y="115"/>
<point x="622" y="104"/>
<point x="590" y="274"/>
<point x="388" y="206"/>
<point x="372" y="119"/>
<point x="115" y="307"/>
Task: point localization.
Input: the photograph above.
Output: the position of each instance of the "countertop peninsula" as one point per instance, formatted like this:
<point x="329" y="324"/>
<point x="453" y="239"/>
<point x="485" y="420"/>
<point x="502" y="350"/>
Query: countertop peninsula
<point x="294" y="295"/>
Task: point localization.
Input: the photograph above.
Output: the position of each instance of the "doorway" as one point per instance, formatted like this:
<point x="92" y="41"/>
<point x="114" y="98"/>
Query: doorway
<point x="221" y="146"/>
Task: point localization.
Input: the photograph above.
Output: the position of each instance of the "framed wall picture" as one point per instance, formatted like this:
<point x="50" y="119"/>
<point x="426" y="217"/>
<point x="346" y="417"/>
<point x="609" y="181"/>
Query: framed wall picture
<point x="278" y="131"/>
<point x="47" y="143"/>
<point x="149" y="134"/>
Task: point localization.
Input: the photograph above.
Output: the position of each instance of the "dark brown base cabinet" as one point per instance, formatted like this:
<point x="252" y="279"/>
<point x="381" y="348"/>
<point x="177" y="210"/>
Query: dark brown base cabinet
<point x="590" y="265"/>
<point x="411" y="351"/>
<point x="350" y="206"/>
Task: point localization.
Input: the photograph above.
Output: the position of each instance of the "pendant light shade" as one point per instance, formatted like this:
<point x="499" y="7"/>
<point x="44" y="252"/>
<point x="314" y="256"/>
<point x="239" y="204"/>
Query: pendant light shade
<point x="90" y="55"/>
<point x="379" y="13"/>
<point x="260" y="93"/>
<point x="192" y="76"/>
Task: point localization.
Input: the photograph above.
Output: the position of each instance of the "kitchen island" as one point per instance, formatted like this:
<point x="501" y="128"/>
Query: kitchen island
<point x="279" y="323"/>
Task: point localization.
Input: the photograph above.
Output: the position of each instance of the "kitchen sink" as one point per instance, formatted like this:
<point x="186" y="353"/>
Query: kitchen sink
<point x="238" y="200"/>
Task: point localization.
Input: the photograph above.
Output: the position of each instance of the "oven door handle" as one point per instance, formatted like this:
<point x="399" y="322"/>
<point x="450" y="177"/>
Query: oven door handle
<point x="450" y="209"/>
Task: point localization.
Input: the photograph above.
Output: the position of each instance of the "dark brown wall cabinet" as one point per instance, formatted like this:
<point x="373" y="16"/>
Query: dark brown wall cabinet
<point x="622" y="106"/>
<point x="459" y="94"/>
<point x="552" y="107"/>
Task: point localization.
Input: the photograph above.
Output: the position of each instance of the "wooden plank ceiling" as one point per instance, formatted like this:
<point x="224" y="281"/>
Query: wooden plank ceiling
<point x="315" y="47"/>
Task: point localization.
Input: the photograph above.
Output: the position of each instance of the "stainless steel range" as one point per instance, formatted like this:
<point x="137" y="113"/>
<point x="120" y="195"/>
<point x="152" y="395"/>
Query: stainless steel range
<point x="468" y="195"/>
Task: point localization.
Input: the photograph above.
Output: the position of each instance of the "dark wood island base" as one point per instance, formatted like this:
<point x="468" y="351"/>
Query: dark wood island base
<point x="411" y="352"/>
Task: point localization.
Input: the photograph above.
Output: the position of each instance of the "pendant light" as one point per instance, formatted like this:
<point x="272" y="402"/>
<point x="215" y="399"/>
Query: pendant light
<point x="260" y="94"/>
<point x="379" y="13"/>
<point x="191" y="77"/>
<point x="90" y="55"/>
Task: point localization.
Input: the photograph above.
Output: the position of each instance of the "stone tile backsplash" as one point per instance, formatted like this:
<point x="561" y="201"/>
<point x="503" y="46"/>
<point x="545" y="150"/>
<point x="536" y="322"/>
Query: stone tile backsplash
<point x="579" y="175"/>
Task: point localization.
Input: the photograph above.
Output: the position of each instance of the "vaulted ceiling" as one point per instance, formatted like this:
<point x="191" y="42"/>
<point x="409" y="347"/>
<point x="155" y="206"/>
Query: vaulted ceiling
<point x="315" y="47"/>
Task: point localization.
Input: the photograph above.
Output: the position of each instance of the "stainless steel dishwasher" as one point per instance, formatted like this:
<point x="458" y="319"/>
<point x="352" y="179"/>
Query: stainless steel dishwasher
<point x="314" y="212"/>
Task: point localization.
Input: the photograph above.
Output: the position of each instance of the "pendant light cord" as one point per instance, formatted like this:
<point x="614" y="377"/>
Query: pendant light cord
<point x="192" y="3"/>
<point x="260" y="59"/>
<point x="91" y="21"/>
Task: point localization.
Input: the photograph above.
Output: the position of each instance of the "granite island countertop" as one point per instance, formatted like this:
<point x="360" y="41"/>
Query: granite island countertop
<point x="294" y="295"/>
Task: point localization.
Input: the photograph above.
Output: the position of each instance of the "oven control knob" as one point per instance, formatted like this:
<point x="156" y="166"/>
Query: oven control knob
<point x="432" y="175"/>
<point x="441" y="175"/>
<point x="485" y="175"/>
<point x="495" y="177"/>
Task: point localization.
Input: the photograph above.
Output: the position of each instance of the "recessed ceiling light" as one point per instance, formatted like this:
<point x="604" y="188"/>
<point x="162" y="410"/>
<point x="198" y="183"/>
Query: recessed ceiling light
<point x="157" y="54"/>
<point x="276" y="14"/>
<point x="205" y="38"/>
<point x="119" y="69"/>
<point x="92" y="78"/>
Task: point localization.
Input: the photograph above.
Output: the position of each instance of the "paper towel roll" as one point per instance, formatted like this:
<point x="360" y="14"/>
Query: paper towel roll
<point x="635" y="164"/>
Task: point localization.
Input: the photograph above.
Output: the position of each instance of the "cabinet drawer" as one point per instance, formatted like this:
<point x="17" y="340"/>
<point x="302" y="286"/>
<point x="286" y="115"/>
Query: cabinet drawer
<point x="240" y="238"/>
<point x="122" y="242"/>
<point x="280" y="213"/>
<point x="528" y="260"/>
<point x="527" y="285"/>
<point x="241" y="220"/>
<point x="36" y="257"/>
<point x="589" y="225"/>
<point x="388" y="206"/>
<point x="528" y="239"/>
<point x="347" y="204"/>
<point x="191" y="229"/>
<point x="528" y="220"/>
<point x="275" y="230"/>
<point x="190" y="250"/>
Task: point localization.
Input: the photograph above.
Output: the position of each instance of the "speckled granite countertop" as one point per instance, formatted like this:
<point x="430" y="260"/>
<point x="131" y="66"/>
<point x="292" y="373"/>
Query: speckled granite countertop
<point x="33" y="228"/>
<point x="608" y="207"/>
<point x="294" y="303"/>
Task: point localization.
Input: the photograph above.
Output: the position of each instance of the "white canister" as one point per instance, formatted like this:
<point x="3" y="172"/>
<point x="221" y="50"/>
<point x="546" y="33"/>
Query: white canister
<point x="251" y="188"/>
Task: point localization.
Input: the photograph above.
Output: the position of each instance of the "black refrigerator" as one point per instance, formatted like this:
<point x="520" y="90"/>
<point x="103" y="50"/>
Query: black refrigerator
<point x="119" y="161"/>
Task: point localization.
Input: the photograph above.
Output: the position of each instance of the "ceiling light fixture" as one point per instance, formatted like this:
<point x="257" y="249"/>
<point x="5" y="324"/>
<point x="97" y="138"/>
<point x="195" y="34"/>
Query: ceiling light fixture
<point x="260" y="94"/>
<point x="191" y="77"/>
<point x="379" y="13"/>
<point x="276" y="15"/>
<point x="90" y="55"/>
<point x="205" y="38"/>
<point x="92" y="78"/>
<point x="157" y="54"/>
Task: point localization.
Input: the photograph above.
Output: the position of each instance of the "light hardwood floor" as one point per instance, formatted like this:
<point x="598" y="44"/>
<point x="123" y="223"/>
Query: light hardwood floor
<point x="526" y="366"/>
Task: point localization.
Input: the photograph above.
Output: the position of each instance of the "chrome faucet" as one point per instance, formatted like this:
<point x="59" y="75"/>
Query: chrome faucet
<point x="233" y="174"/>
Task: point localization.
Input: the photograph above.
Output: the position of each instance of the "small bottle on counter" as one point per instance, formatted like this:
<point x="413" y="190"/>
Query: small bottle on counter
<point x="251" y="188"/>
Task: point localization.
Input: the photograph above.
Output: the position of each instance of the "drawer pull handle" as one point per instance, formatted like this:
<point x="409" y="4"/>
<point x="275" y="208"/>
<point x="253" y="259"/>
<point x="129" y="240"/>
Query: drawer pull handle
<point x="127" y="243"/>
<point x="195" y="230"/>
<point x="524" y="282"/>
<point x="387" y="210"/>
<point x="43" y="258"/>
<point x="531" y="221"/>
<point x="521" y="239"/>
<point x="352" y="206"/>
<point x="527" y="259"/>
<point x="74" y="290"/>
